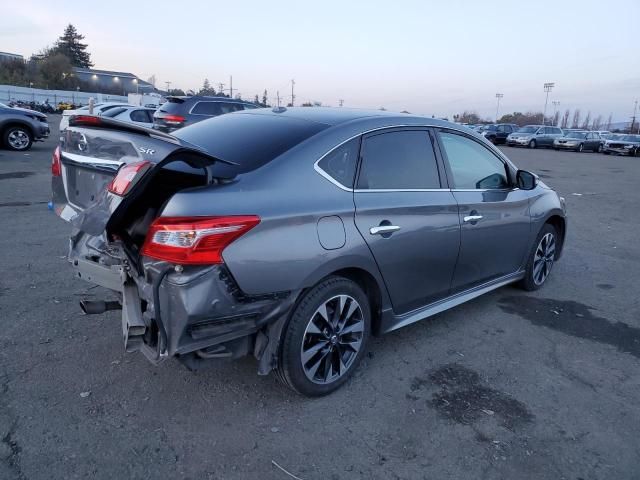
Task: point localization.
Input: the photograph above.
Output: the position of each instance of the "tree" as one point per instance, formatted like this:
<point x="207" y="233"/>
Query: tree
<point x="576" y="118"/>
<point x="587" y="121"/>
<point x="256" y="100"/>
<point x="521" y="119"/>
<point x="556" y="118"/>
<point x="152" y="80"/>
<point x="264" y="98"/>
<point x="70" y="45"/>
<point x="56" y="71"/>
<point x="565" y="119"/>
<point x="207" y="89"/>
<point x="467" y="117"/>
<point x="609" y="122"/>
<point x="597" y="123"/>
<point x="176" y="92"/>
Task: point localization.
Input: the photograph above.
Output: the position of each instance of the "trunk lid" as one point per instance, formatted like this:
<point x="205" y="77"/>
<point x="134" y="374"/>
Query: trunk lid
<point x="93" y="149"/>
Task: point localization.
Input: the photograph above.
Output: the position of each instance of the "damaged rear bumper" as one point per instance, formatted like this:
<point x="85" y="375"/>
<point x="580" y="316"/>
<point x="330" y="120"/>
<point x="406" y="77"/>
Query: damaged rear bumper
<point x="192" y="313"/>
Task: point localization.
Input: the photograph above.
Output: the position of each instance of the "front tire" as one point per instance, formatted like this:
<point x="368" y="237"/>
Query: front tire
<point x="18" y="138"/>
<point x="580" y="148"/>
<point x="325" y="338"/>
<point x="541" y="259"/>
<point x="533" y="144"/>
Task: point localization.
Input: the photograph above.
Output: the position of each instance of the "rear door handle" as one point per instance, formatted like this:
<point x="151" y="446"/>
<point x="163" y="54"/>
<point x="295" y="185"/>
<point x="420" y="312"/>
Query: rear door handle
<point x="472" y="218"/>
<point x="382" y="229"/>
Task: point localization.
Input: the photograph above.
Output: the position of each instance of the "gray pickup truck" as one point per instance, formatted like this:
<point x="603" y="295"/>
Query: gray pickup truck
<point x="20" y="127"/>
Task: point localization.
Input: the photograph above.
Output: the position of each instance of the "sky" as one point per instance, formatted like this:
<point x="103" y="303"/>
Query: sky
<point x="427" y="57"/>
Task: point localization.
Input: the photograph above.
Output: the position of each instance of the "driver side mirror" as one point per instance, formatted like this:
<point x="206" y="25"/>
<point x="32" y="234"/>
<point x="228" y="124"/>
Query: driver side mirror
<point x="526" y="180"/>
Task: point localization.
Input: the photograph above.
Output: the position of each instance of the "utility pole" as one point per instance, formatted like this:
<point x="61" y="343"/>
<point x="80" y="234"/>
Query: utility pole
<point x="293" y="97"/>
<point x="633" y="119"/>
<point x="555" y="107"/>
<point x="547" y="88"/>
<point x="341" y="102"/>
<point x="168" y="85"/>
<point x="230" y="86"/>
<point x="498" y="97"/>
<point x="278" y="98"/>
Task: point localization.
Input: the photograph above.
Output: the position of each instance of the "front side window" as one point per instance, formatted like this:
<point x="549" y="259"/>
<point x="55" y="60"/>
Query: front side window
<point x="401" y="160"/>
<point x="472" y="165"/>
<point x="340" y="163"/>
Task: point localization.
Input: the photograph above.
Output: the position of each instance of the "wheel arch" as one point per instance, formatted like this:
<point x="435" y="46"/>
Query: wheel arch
<point x="16" y="123"/>
<point x="560" y="224"/>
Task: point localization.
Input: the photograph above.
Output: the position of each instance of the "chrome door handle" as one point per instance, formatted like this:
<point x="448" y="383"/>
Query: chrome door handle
<point x="383" y="229"/>
<point x="472" y="218"/>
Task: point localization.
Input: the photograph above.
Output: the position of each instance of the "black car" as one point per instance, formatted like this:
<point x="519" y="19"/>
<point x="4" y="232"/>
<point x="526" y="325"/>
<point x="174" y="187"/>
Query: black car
<point x="497" y="134"/>
<point x="178" y="112"/>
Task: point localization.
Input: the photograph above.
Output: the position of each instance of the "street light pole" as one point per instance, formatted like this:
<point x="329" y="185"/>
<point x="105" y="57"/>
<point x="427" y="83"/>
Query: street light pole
<point x="555" y="107"/>
<point x="498" y="96"/>
<point x="547" y="88"/>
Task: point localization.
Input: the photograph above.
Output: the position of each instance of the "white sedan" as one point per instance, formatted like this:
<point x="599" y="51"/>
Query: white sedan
<point x="127" y="113"/>
<point x="98" y="109"/>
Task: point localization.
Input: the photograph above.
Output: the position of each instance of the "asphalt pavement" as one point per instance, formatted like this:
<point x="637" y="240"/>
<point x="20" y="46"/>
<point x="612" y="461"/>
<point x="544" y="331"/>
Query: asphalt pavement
<point x="512" y="385"/>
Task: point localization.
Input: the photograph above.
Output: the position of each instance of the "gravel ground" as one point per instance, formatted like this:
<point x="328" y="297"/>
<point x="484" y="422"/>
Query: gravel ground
<point x="540" y="385"/>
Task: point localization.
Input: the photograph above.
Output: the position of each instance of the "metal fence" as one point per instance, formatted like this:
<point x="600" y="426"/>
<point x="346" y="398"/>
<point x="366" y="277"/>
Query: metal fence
<point x="39" y="95"/>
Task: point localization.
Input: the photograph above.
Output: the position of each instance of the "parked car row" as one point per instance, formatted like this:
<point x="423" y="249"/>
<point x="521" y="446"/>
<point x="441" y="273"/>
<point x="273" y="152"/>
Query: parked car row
<point x="535" y="136"/>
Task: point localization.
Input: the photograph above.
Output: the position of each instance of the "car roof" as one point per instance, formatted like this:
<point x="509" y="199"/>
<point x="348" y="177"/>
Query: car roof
<point x="187" y="98"/>
<point x="336" y="115"/>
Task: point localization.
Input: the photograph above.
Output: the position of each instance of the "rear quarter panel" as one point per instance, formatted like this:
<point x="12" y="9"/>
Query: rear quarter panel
<point x="283" y="252"/>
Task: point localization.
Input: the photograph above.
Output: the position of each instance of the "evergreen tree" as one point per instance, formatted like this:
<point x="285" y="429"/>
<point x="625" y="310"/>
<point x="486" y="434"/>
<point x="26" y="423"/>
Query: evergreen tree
<point x="264" y="98"/>
<point x="70" y="45"/>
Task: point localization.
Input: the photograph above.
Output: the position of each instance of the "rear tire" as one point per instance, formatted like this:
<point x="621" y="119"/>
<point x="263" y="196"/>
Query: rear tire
<point x="533" y="144"/>
<point x="541" y="259"/>
<point x="326" y="337"/>
<point x="17" y="138"/>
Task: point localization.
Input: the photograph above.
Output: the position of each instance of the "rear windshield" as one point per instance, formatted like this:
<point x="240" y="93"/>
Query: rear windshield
<point x="172" y="105"/>
<point x="249" y="140"/>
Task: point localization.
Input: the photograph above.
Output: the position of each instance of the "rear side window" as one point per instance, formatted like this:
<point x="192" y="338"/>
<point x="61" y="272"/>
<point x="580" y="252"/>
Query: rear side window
<point x="250" y="140"/>
<point x="399" y="161"/>
<point x="230" y="107"/>
<point x="140" y="116"/>
<point x="340" y="164"/>
<point x="207" y="108"/>
<point x="557" y="131"/>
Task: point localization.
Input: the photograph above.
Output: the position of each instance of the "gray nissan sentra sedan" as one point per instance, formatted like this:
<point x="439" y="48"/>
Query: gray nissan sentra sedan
<point x="293" y="235"/>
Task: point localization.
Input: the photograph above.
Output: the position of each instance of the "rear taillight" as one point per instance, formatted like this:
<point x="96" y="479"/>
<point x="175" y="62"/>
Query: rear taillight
<point x="56" y="164"/>
<point x="195" y="240"/>
<point x="127" y="176"/>
<point x="172" y="119"/>
<point x="84" y="121"/>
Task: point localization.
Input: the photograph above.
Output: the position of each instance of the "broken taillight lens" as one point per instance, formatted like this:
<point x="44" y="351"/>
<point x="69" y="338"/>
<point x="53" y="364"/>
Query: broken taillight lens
<point x="56" y="164"/>
<point x="127" y="176"/>
<point x="195" y="240"/>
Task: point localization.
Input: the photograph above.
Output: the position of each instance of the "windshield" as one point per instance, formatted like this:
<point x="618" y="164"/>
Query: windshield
<point x="528" y="130"/>
<point x="631" y="138"/>
<point x="490" y="127"/>
<point x="576" y="135"/>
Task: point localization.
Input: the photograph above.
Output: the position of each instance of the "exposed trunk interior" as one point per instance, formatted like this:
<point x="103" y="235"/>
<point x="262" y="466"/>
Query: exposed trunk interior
<point x="134" y="223"/>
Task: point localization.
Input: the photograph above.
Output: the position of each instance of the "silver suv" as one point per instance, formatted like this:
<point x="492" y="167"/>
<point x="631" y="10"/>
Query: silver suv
<point x="20" y="127"/>
<point x="534" y="136"/>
